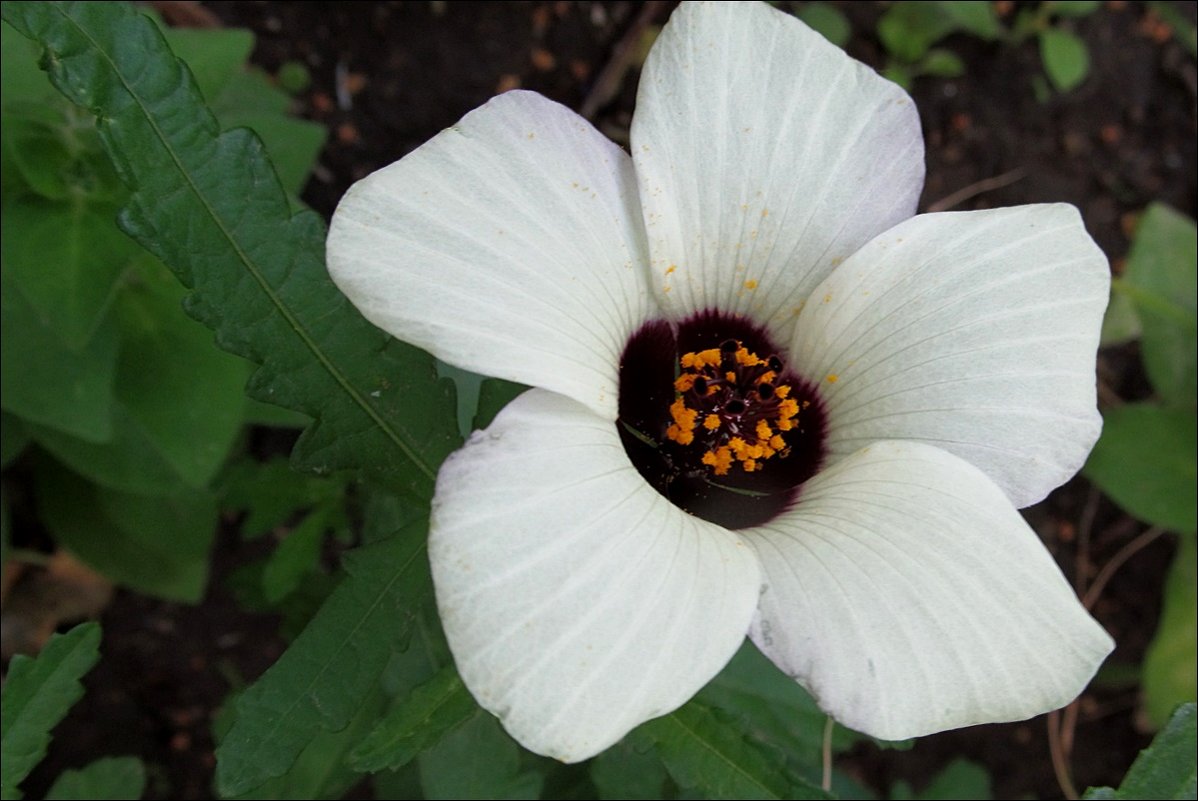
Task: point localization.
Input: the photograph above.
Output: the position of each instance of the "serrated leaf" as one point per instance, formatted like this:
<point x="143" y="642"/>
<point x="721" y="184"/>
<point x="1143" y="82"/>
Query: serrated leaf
<point x="1147" y="461"/>
<point x="323" y="678"/>
<point x="157" y="545"/>
<point x="1161" y="278"/>
<point x="292" y="144"/>
<point x="211" y="207"/>
<point x="415" y="723"/>
<point x="214" y="55"/>
<point x="321" y="769"/>
<point x="179" y="401"/>
<point x="1170" y="672"/>
<point x="1066" y="58"/>
<point x="1166" y="769"/>
<point x="706" y="750"/>
<point x="106" y="779"/>
<point x="828" y="21"/>
<point x="66" y="258"/>
<point x="45" y="383"/>
<point x="36" y="696"/>
<point x="477" y="760"/>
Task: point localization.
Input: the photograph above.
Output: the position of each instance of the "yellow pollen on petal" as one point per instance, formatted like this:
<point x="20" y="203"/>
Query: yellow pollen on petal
<point x="750" y="284"/>
<point x="711" y="422"/>
<point x="763" y="430"/>
<point x="832" y="378"/>
<point x="709" y="357"/>
<point x="777" y="443"/>
<point x="730" y="377"/>
<point x="783" y="391"/>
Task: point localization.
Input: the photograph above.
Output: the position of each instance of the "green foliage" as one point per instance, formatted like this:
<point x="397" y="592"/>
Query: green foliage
<point x="1166" y="769"/>
<point x="1161" y="278"/>
<point x="704" y="749"/>
<point x="36" y="696"/>
<point x="153" y="544"/>
<point x="323" y="679"/>
<point x="477" y="760"/>
<point x="960" y="780"/>
<point x="210" y="206"/>
<point x="622" y="772"/>
<point x="908" y="31"/>
<point x="1145" y="461"/>
<point x="108" y="778"/>
<point x="828" y="21"/>
<point x="416" y="722"/>
<point x="1066" y="58"/>
<point x="1170" y="675"/>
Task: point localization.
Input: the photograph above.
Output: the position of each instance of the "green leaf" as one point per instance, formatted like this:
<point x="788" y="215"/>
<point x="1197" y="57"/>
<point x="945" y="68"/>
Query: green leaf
<point x="1066" y="59"/>
<point x="705" y="750"/>
<point x="271" y="492"/>
<point x="323" y="678"/>
<point x="942" y="64"/>
<point x="828" y="21"/>
<point x="211" y="207"/>
<point x="907" y="30"/>
<point x="1073" y="8"/>
<point x="296" y="555"/>
<point x="45" y="383"/>
<point x="250" y="100"/>
<point x="772" y="708"/>
<point x="477" y="760"/>
<point x="13" y="438"/>
<point x="419" y="721"/>
<point x="979" y="19"/>
<point x="1147" y="461"/>
<point x="1161" y="278"/>
<point x="1166" y="769"/>
<point x="622" y="772"/>
<point x="960" y="780"/>
<point x="321" y="770"/>
<point x="214" y="55"/>
<point x="493" y="395"/>
<point x="1171" y="663"/>
<point x="1120" y="324"/>
<point x="36" y="696"/>
<point x="179" y="399"/>
<point x="106" y="779"/>
<point x="67" y="259"/>
<point x="156" y="545"/>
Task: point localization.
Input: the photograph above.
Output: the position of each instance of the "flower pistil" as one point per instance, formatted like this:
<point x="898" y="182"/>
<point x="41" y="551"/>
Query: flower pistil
<point x="734" y="392"/>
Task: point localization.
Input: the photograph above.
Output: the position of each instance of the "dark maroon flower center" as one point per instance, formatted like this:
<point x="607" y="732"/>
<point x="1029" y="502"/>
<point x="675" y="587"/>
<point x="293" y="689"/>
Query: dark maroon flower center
<point x="714" y="419"/>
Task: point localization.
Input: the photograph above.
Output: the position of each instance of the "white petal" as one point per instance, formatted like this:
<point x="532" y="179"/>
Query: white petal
<point x="578" y="601"/>
<point x="909" y="597"/>
<point x="975" y="332"/>
<point x="510" y="244"/>
<point x="765" y="157"/>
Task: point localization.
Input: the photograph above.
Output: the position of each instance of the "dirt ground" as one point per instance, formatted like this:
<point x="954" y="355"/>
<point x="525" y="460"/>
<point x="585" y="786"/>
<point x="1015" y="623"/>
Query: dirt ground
<point x="388" y="76"/>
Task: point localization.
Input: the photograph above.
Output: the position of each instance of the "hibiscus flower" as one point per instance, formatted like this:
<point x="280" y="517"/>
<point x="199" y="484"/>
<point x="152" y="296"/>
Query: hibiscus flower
<point x="767" y="399"/>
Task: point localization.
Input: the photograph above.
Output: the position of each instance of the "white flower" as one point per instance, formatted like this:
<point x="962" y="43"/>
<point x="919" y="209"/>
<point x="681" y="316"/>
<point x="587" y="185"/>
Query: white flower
<point x="948" y="360"/>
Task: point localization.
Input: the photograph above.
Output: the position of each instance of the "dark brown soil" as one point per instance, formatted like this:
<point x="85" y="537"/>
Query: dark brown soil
<point x="388" y="76"/>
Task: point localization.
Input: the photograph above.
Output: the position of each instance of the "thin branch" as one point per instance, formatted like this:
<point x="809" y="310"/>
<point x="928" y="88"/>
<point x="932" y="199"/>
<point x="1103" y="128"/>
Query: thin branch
<point x="979" y="188"/>
<point x="1126" y="552"/>
<point x="829" y="725"/>
<point x="607" y="83"/>
<point x="1060" y="764"/>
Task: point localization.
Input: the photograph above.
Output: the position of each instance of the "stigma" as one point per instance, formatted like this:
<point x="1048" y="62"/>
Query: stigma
<point x="728" y="402"/>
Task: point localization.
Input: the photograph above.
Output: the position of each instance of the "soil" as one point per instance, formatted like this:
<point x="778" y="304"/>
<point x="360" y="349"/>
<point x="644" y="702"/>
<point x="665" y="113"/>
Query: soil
<point x="388" y="76"/>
